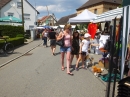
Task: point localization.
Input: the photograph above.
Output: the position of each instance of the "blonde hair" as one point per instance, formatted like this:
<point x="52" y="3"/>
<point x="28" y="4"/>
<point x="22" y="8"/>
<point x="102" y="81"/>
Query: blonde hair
<point x="67" y="26"/>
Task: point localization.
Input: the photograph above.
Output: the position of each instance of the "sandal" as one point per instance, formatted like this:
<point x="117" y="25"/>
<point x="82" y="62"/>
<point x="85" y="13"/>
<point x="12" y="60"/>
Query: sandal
<point x="70" y="74"/>
<point x="76" y="69"/>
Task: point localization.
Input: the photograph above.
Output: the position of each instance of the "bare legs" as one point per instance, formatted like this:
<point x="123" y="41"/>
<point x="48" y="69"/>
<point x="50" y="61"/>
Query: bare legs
<point x="71" y="59"/>
<point x="53" y="48"/>
<point x="62" y="60"/>
<point x="82" y="58"/>
<point x="67" y="61"/>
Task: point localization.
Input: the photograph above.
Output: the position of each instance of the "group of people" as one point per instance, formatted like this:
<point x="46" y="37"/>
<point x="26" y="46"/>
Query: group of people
<point x="51" y="35"/>
<point x="74" y="44"/>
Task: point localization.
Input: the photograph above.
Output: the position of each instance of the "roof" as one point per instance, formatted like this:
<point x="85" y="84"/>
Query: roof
<point x="32" y="7"/>
<point x="65" y="19"/>
<point x="93" y="2"/>
<point x="109" y="15"/>
<point x="4" y="2"/>
<point x="44" y="18"/>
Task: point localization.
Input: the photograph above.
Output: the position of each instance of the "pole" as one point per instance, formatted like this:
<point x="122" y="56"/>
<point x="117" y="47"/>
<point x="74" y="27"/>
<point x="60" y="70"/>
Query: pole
<point x="22" y="13"/>
<point x="35" y="13"/>
<point x="0" y="8"/>
<point x="48" y="13"/>
<point x="47" y="9"/>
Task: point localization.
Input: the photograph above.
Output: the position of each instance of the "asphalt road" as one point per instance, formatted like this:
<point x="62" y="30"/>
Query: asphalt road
<point x="38" y="74"/>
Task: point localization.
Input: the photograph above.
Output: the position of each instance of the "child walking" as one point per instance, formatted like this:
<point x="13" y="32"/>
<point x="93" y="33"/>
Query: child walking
<point x="84" y="50"/>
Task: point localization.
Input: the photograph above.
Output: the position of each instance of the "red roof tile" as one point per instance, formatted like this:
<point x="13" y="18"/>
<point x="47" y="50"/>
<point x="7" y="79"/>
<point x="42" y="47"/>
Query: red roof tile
<point x="3" y="3"/>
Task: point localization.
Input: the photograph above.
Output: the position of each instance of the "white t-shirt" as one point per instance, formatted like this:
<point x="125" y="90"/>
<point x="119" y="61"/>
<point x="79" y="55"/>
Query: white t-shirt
<point x="102" y="40"/>
<point x="85" y="45"/>
<point x="45" y="34"/>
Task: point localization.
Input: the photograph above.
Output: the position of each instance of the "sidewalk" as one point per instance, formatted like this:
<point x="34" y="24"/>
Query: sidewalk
<point x="19" y="51"/>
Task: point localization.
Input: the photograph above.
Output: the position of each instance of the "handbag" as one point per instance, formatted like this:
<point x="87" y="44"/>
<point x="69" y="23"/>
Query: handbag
<point x="60" y="42"/>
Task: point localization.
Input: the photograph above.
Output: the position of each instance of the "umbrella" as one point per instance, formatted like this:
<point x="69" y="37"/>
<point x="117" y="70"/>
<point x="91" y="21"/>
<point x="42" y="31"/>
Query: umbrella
<point x="10" y="19"/>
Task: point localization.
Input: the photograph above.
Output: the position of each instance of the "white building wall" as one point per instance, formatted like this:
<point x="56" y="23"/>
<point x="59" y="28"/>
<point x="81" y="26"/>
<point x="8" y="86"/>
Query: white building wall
<point x="18" y="13"/>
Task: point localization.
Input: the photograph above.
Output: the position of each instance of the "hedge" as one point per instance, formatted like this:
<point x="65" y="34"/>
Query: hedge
<point x="15" y="41"/>
<point x="11" y="31"/>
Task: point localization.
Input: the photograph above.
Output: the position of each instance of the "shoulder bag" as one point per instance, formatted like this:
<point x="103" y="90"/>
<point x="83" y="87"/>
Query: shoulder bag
<point x="60" y="42"/>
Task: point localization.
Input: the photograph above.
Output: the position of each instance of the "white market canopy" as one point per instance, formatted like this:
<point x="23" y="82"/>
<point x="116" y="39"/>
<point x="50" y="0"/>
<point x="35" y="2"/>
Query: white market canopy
<point x="109" y="15"/>
<point x="85" y="16"/>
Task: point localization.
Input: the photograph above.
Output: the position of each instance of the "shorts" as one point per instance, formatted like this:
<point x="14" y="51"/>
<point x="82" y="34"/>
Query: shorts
<point x="65" y="49"/>
<point x="52" y="42"/>
<point x="83" y="53"/>
<point x="75" y="51"/>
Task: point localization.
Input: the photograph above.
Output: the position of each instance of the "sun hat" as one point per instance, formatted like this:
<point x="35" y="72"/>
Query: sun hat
<point x="87" y="35"/>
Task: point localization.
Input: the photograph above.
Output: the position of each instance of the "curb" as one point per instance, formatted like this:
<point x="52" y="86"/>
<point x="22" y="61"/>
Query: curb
<point x="18" y="56"/>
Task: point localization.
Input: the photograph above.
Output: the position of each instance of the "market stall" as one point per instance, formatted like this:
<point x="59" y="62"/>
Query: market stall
<point x="85" y="16"/>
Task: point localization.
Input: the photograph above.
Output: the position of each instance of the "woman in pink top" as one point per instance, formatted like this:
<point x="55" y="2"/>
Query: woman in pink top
<point x="66" y="48"/>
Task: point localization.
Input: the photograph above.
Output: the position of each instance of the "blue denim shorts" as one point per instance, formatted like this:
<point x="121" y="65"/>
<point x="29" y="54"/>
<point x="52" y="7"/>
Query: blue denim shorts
<point x="65" y="49"/>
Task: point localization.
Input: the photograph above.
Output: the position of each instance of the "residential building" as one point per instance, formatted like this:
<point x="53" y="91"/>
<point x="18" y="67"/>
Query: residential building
<point x="65" y="19"/>
<point x="49" y="20"/>
<point x="14" y="8"/>
<point x="99" y="6"/>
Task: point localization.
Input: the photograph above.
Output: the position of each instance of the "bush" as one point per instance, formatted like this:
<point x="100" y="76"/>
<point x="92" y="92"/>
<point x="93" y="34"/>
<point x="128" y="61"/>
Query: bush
<point x="6" y="37"/>
<point x="11" y="31"/>
<point x="20" y="35"/>
<point x="15" y="41"/>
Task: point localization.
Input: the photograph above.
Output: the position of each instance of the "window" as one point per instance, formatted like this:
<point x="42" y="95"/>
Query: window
<point x="19" y="5"/>
<point x="95" y="11"/>
<point x="31" y="27"/>
<point x="26" y="16"/>
<point x="10" y="14"/>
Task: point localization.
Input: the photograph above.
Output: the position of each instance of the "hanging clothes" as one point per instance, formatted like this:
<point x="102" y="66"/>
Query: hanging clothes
<point x="106" y="26"/>
<point x="117" y="32"/>
<point x="92" y="28"/>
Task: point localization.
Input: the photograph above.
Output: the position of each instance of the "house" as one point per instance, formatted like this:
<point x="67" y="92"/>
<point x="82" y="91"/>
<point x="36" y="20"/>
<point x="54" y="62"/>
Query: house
<point x="14" y="8"/>
<point x="49" y="20"/>
<point x="99" y="6"/>
<point x="65" y="19"/>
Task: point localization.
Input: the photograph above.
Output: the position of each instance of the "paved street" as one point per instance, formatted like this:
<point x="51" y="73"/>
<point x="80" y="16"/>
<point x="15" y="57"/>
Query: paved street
<point x="38" y="74"/>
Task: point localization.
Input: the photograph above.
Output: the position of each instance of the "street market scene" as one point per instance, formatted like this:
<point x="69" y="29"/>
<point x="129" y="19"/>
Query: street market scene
<point x="48" y="49"/>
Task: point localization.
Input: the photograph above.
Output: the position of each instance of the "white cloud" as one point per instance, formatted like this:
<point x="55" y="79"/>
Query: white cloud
<point x="52" y="8"/>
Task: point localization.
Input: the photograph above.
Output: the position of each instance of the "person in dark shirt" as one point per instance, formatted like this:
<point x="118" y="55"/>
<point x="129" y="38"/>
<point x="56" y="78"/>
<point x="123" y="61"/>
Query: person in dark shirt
<point x="52" y="37"/>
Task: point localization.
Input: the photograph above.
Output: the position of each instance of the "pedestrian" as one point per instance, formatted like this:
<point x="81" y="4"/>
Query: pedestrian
<point x="66" y="49"/>
<point x="75" y="46"/>
<point x="44" y="37"/>
<point x="52" y="37"/>
<point x="83" y="52"/>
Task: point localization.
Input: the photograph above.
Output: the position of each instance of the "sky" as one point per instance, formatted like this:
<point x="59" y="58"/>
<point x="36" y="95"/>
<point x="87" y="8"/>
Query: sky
<point x="60" y="8"/>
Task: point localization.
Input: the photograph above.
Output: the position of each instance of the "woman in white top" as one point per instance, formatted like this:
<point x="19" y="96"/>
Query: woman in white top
<point x="44" y="37"/>
<point x="84" y="50"/>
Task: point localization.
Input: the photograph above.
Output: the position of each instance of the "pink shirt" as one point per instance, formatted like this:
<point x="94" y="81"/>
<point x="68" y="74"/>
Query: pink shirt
<point x="67" y="41"/>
